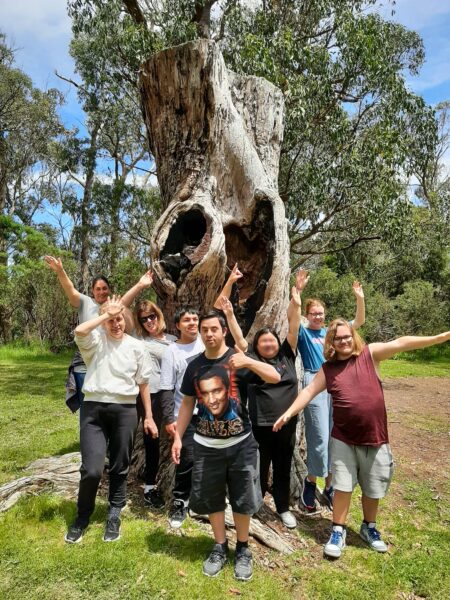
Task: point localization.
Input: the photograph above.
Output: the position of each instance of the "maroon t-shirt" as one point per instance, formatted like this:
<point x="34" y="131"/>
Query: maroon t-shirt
<point x="359" y="411"/>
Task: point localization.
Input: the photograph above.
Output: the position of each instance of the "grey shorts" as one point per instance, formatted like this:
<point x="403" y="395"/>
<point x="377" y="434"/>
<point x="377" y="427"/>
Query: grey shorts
<point x="370" y="466"/>
<point x="235" y="467"/>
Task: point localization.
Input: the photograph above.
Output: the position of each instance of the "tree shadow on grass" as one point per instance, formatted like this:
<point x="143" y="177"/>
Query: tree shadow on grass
<point x="318" y="528"/>
<point x="179" y="545"/>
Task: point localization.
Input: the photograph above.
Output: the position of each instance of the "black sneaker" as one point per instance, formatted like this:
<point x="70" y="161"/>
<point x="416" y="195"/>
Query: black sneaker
<point x="177" y="514"/>
<point x="153" y="499"/>
<point x="75" y="532"/>
<point x="243" y="569"/>
<point x="308" y="496"/>
<point x="112" y="530"/>
<point x="215" y="561"/>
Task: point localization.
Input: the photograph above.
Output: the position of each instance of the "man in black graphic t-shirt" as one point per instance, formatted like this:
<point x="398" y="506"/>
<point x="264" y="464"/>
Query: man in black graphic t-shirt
<point x="225" y="452"/>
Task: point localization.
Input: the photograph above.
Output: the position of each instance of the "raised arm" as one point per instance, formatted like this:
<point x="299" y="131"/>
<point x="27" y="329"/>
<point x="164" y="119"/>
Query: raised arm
<point x="360" y="316"/>
<point x="184" y="418"/>
<point x="65" y="282"/>
<point x="227" y="308"/>
<point x="317" y="385"/>
<point x="113" y="308"/>
<point x="144" y="282"/>
<point x="294" y="314"/>
<point x="267" y="373"/>
<point x="235" y="275"/>
<point x="382" y="351"/>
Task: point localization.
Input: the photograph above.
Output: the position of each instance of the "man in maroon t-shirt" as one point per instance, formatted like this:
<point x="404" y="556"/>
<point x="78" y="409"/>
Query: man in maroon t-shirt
<point x="359" y="447"/>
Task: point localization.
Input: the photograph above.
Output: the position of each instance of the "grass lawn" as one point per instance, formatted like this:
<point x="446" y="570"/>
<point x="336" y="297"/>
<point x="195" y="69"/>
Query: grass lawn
<point x="151" y="561"/>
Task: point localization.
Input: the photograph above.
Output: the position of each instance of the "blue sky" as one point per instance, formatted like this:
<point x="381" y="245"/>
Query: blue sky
<point x="40" y="30"/>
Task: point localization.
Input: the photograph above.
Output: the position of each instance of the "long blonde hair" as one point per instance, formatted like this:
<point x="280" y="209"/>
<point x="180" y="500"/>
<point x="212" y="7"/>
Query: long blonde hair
<point x="328" y="350"/>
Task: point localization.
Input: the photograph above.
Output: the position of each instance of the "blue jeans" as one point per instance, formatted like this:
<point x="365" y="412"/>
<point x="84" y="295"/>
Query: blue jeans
<point x="318" y="424"/>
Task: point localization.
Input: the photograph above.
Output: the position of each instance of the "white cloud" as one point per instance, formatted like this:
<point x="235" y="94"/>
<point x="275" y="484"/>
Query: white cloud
<point x="44" y="19"/>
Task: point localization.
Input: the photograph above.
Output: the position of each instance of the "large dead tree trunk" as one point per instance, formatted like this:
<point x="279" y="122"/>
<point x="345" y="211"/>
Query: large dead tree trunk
<point x="216" y="140"/>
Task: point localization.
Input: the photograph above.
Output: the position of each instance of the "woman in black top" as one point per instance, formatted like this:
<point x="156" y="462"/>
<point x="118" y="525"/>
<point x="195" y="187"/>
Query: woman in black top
<point x="267" y="402"/>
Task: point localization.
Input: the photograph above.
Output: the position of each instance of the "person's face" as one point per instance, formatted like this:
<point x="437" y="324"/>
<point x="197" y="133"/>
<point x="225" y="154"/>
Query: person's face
<point x="100" y="291"/>
<point x="188" y="326"/>
<point x="214" y="395"/>
<point x="115" y="327"/>
<point x="316" y="316"/>
<point x="212" y="333"/>
<point x="150" y="322"/>
<point x="343" y="342"/>
<point x="268" y="346"/>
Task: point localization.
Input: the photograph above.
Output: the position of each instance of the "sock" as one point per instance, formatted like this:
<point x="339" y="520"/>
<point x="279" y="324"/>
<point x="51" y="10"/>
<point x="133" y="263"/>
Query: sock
<point x="147" y="488"/>
<point x="341" y="527"/>
<point x="224" y="546"/>
<point x="114" y="512"/>
<point x="370" y="524"/>
<point x="240" y="545"/>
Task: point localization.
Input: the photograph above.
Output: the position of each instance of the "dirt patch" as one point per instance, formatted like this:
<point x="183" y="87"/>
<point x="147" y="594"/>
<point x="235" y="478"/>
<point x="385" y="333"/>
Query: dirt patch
<point x="419" y="423"/>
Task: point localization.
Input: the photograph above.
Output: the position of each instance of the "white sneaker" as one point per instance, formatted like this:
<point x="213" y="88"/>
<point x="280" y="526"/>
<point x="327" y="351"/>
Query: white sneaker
<point x="336" y="543"/>
<point x="370" y="534"/>
<point x="288" y="519"/>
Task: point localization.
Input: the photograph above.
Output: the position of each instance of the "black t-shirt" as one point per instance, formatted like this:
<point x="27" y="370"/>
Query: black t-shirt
<point x="268" y="401"/>
<point x="221" y="394"/>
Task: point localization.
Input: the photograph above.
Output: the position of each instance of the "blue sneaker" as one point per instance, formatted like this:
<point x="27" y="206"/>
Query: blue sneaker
<point x="308" y="496"/>
<point x="370" y="534"/>
<point x="328" y="494"/>
<point x="336" y="543"/>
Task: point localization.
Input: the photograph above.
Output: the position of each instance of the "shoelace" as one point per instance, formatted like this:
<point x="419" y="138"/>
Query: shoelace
<point x="374" y="534"/>
<point x="336" y="538"/>
<point x="216" y="556"/>
<point x="244" y="558"/>
<point x="113" y="524"/>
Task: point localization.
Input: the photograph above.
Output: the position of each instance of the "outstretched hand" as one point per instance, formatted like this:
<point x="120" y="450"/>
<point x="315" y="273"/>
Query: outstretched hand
<point x="357" y="289"/>
<point x="113" y="306"/>
<point x="295" y="295"/>
<point x="235" y="274"/>
<point x="147" y="279"/>
<point x="225" y="306"/>
<point x="238" y="360"/>
<point x="301" y="279"/>
<point x="55" y="264"/>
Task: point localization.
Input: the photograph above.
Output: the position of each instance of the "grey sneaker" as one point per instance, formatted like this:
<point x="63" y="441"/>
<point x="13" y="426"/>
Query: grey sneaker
<point x="336" y="543"/>
<point x="177" y="514"/>
<point x="75" y="532"/>
<point x="372" y="536"/>
<point x="288" y="519"/>
<point x="215" y="561"/>
<point x="243" y="569"/>
<point x="112" y="530"/>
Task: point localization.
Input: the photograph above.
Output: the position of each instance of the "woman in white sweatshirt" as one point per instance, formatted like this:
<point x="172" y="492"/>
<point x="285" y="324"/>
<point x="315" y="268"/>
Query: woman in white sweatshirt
<point x="117" y="369"/>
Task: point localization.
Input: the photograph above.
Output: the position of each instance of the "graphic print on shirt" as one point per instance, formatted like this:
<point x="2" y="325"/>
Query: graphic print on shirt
<point x="218" y="399"/>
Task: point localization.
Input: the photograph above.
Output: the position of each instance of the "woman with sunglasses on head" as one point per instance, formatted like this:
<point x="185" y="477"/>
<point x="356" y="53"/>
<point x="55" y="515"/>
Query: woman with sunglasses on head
<point x="318" y="413"/>
<point x="150" y="328"/>
<point x="359" y="448"/>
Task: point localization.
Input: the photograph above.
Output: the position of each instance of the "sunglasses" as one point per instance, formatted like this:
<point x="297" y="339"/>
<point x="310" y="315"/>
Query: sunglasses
<point x="151" y="317"/>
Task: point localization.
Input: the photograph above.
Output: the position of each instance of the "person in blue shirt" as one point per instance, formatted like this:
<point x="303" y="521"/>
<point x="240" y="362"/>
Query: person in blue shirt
<point x="318" y="414"/>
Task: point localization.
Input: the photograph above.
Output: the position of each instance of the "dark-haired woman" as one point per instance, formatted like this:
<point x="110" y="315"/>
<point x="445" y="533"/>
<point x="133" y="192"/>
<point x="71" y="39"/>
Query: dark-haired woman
<point x="150" y="327"/>
<point x="87" y="309"/>
<point x="267" y="401"/>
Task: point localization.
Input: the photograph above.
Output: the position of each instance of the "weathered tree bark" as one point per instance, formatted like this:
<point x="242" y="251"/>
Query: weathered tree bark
<point x="216" y="140"/>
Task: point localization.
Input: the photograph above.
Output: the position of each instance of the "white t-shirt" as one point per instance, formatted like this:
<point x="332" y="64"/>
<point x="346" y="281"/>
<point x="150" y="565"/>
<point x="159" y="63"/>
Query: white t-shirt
<point x="87" y="310"/>
<point x="155" y="348"/>
<point x="114" y="367"/>
<point x="173" y="366"/>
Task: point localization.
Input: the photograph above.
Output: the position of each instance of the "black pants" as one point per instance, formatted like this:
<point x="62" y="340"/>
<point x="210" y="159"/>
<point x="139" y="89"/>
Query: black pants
<point x="276" y="448"/>
<point x="151" y="445"/>
<point x="105" y="425"/>
<point x="183" y="472"/>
